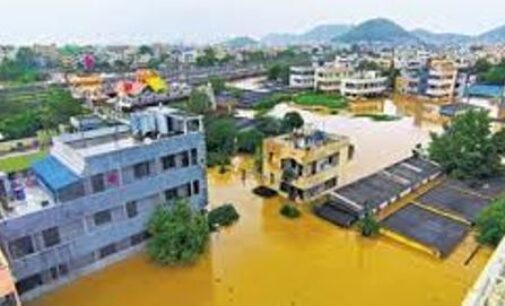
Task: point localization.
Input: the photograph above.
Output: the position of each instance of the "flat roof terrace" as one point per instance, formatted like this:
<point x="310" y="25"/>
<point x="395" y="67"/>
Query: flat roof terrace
<point x="427" y="228"/>
<point x="454" y="201"/>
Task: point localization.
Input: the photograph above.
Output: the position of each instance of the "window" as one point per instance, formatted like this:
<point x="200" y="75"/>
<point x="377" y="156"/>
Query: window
<point x="141" y="170"/>
<point x="51" y="237"/>
<point x="196" y="187"/>
<point x="131" y="209"/>
<point x="21" y="247"/>
<point x="194" y="156"/>
<point x="184" y="191"/>
<point x="171" y="194"/>
<point x="107" y="250"/>
<point x="168" y="162"/>
<point x="102" y="217"/>
<point x="29" y="283"/>
<point x="185" y="159"/>
<point x="138" y="238"/>
<point x="97" y="183"/>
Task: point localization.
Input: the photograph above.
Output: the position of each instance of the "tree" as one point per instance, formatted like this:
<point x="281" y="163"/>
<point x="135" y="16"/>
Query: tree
<point x="218" y="84"/>
<point x="482" y="65"/>
<point x="269" y="126"/>
<point x="278" y="73"/>
<point x="145" y="49"/>
<point x="249" y="141"/>
<point x="208" y="58"/>
<point x="499" y="142"/>
<point x="490" y="224"/>
<point x="465" y="150"/>
<point x="368" y="226"/>
<point x="199" y="102"/>
<point x="179" y="234"/>
<point x="292" y="120"/>
<point x="220" y="134"/>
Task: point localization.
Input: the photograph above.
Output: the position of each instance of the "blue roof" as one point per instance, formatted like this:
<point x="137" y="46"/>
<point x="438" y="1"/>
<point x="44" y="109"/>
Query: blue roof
<point x="490" y="91"/>
<point x="53" y="173"/>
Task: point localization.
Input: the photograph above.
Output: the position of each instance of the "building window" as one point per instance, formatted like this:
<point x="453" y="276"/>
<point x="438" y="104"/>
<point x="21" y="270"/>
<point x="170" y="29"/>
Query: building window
<point x="196" y="187"/>
<point x="168" y="162"/>
<point x="131" y="209"/>
<point x="171" y="194"/>
<point x="21" y="247"/>
<point x="185" y="159"/>
<point x="29" y="283"/>
<point x="102" y="217"/>
<point x="141" y="170"/>
<point x="107" y="251"/>
<point x="97" y="183"/>
<point x="194" y="156"/>
<point x="138" y="238"/>
<point x="51" y="237"/>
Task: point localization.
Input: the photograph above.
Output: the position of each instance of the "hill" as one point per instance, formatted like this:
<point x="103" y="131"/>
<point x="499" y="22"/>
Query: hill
<point x="496" y="35"/>
<point x="320" y="34"/>
<point x="441" y="38"/>
<point x="240" y="42"/>
<point x="379" y="31"/>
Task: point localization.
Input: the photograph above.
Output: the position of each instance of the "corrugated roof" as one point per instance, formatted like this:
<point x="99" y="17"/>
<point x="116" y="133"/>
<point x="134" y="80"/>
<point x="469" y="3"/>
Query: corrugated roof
<point x="54" y="174"/>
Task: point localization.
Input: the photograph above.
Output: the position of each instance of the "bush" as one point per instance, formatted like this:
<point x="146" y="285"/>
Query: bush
<point x="178" y="235"/>
<point x="224" y="215"/>
<point x="218" y="159"/>
<point x="368" y="226"/>
<point x="290" y="211"/>
<point x="490" y="224"/>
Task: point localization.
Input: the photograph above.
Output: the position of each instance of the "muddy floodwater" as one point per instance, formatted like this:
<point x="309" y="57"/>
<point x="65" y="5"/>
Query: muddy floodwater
<point x="267" y="260"/>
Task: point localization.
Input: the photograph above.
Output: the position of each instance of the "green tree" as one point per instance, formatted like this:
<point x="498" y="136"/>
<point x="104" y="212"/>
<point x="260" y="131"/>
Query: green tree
<point x="368" y="226"/>
<point x="465" y="150"/>
<point x="199" y="102"/>
<point x="499" y="142"/>
<point x="145" y="49"/>
<point x="178" y="234"/>
<point x="278" y="73"/>
<point x="218" y="84"/>
<point x="292" y="120"/>
<point x="490" y="224"/>
<point x="249" y="141"/>
<point x="220" y="135"/>
<point x="482" y="65"/>
<point x="269" y="126"/>
<point x="208" y="58"/>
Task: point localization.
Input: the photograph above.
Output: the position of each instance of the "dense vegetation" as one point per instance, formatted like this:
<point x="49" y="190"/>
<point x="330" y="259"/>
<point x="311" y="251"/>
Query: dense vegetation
<point x="466" y="149"/>
<point x="178" y="234"/>
<point x="491" y="224"/>
<point x="490" y="74"/>
<point x="22" y="115"/>
<point x="22" y="69"/>
<point x="224" y="215"/>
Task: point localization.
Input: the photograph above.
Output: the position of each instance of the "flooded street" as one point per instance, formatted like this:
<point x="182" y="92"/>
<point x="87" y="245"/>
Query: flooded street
<point x="266" y="259"/>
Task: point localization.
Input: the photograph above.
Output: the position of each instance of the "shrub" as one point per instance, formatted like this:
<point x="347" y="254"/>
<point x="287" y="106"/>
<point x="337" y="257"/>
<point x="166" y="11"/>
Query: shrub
<point x="290" y="211"/>
<point x="369" y="226"/>
<point x="178" y="234"/>
<point x="490" y="224"/>
<point x="224" y="215"/>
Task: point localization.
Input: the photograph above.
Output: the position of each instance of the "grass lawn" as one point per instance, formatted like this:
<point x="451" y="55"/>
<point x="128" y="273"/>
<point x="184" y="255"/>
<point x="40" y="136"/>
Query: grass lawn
<point x="20" y="162"/>
<point x="378" y="117"/>
<point x="333" y="102"/>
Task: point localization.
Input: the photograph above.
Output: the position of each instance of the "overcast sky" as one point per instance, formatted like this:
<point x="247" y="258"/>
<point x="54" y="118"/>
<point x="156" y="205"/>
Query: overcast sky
<point x="136" y="21"/>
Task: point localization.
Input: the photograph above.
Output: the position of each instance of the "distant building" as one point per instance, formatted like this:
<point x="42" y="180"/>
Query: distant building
<point x="302" y="77"/>
<point x="305" y="165"/>
<point x="86" y="204"/>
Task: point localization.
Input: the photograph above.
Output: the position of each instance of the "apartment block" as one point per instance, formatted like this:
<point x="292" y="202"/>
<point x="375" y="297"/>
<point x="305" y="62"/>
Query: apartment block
<point x="306" y="164"/>
<point x="87" y="204"/>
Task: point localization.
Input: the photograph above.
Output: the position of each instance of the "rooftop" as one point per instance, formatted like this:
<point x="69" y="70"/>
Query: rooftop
<point x="307" y="139"/>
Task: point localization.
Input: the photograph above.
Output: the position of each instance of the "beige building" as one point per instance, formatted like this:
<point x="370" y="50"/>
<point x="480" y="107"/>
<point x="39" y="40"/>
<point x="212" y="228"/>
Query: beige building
<point x="305" y="165"/>
<point x="8" y="293"/>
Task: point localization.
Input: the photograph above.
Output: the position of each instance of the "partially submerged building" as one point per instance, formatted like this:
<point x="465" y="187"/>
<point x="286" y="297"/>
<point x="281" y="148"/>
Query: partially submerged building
<point x="306" y="164"/>
<point x="88" y="202"/>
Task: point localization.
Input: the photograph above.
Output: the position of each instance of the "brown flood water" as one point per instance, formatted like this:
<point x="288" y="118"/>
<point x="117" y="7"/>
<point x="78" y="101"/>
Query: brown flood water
<point x="265" y="259"/>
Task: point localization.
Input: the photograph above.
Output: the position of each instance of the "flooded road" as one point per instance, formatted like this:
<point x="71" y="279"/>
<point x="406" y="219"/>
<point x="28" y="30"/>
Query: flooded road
<point x="266" y="260"/>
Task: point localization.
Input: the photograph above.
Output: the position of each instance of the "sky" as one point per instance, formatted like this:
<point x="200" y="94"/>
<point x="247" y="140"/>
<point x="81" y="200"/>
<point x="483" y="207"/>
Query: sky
<point x="202" y="21"/>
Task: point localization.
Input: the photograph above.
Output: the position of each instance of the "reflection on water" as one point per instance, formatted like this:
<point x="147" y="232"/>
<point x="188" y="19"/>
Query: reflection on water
<point x="266" y="259"/>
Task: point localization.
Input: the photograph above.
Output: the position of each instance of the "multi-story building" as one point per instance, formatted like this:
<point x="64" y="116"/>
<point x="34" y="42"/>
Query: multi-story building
<point x="301" y="77"/>
<point x="338" y="77"/>
<point x="438" y="79"/>
<point x="88" y="202"/>
<point x="363" y="84"/>
<point x="305" y="165"/>
<point x="8" y="292"/>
